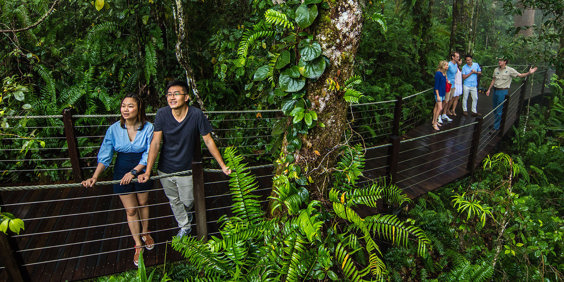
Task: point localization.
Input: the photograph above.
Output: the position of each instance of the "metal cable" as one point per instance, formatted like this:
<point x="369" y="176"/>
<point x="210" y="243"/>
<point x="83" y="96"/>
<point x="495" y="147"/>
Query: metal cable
<point x="91" y="241"/>
<point x="434" y="174"/>
<point x="72" y="199"/>
<point x="90" y="212"/>
<point x="419" y="93"/>
<point x="419" y="165"/>
<point x="441" y="173"/>
<point x="40" y="160"/>
<point x="437" y="142"/>
<point x="374" y="103"/>
<point x="438" y="133"/>
<point x="84" y="227"/>
<point x="73" y="185"/>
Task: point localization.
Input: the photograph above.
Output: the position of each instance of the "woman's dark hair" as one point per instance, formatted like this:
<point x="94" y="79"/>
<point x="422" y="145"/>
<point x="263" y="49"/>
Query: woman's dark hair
<point x="141" y="117"/>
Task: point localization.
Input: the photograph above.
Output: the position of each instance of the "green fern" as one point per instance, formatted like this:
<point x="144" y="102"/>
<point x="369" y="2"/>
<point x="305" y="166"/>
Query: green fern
<point x="347" y="265"/>
<point x="150" y="62"/>
<point x="242" y="184"/>
<point x="393" y="229"/>
<point x="350" y="166"/>
<point x="198" y="253"/>
<point x="287" y="195"/>
<point x="278" y="18"/>
<point x="248" y="39"/>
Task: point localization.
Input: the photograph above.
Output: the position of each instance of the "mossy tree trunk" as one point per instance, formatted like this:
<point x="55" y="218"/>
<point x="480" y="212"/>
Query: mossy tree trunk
<point x="180" y="20"/>
<point x="338" y="33"/>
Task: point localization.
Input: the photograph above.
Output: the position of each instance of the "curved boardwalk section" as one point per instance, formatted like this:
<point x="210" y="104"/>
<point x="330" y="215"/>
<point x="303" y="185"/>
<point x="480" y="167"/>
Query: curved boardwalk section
<point x="72" y="233"/>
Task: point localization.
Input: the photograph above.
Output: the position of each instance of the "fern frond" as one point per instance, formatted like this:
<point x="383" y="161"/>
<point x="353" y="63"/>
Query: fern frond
<point x="392" y="194"/>
<point x="309" y="221"/>
<point x="353" y="80"/>
<point x="150" y="62"/>
<point x="347" y="264"/>
<point x="198" y="254"/>
<point x="248" y="39"/>
<point x="293" y="250"/>
<point x="242" y="184"/>
<point x="350" y="165"/>
<point x="393" y="229"/>
<point x="288" y="195"/>
<point x="278" y="18"/>
<point x="48" y="92"/>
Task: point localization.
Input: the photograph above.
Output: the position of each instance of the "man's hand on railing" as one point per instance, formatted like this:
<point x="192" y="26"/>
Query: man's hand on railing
<point x="144" y="177"/>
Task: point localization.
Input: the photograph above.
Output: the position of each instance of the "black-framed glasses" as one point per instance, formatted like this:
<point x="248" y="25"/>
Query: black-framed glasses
<point x="174" y="94"/>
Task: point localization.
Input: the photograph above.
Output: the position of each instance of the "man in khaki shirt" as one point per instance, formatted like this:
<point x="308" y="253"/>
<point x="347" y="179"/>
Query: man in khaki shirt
<point x="501" y="82"/>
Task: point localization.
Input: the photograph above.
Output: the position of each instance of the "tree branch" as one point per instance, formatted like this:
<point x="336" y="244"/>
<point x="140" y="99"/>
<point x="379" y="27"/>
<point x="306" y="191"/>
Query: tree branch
<point x="33" y="25"/>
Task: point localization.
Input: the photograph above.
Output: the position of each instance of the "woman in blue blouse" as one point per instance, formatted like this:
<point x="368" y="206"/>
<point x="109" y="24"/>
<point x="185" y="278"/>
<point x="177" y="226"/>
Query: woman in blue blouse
<point x="130" y="137"/>
<point x="439" y="91"/>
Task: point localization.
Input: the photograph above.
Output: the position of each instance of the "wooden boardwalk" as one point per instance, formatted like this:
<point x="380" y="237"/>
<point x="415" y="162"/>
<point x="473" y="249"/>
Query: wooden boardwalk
<point x="76" y="234"/>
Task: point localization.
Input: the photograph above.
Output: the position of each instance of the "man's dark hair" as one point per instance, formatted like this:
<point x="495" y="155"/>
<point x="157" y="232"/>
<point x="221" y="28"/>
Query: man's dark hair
<point x="452" y="54"/>
<point x="468" y="56"/>
<point x="141" y="117"/>
<point x="177" y="83"/>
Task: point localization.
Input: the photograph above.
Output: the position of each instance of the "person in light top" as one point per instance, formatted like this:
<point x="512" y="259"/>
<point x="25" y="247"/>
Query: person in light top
<point x="130" y="138"/>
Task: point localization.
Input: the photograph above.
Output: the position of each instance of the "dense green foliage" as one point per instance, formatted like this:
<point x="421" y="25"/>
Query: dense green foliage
<point x="505" y="225"/>
<point x="310" y="239"/>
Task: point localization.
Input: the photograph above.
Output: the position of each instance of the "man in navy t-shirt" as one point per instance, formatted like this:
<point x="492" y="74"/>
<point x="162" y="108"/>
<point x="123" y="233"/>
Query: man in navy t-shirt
<point x="178" y="125"/>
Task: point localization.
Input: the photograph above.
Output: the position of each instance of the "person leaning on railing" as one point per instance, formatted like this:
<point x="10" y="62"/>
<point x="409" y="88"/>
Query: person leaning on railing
<point x="501" y="82"/>
<point x="178" y="125"/>
<point x="130" y="137"/>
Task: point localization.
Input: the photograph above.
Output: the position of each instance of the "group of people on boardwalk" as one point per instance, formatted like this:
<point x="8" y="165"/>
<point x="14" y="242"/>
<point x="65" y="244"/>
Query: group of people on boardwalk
<point x="453" y="79"/>
<point x="138" y="142"/>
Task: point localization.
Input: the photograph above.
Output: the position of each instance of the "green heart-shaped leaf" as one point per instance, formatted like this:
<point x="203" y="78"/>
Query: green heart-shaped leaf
<point x="306" y="15"/>
<point x="310" y="52"/>
<point x="313" y="69"/>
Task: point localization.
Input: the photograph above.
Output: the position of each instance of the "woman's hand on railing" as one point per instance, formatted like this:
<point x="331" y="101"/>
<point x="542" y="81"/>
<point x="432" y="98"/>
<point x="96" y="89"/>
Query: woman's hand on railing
<point x="126" y="179"/>
<point x="89" y="182"/>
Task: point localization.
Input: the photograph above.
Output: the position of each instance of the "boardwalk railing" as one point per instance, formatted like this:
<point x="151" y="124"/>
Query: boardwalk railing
<point x="73" y="233"/>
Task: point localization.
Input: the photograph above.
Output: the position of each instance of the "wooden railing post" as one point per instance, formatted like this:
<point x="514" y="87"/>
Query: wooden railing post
<point x="199" y="194"/>
<point x="522" y="99"/>
<point x="475" y="145"/>
<point x="72" y="145"/>
<point x="504" y="114"/>
<point x="397" y="116"/>
<point x="393" y="158"/>
<point x="544" y="79"/>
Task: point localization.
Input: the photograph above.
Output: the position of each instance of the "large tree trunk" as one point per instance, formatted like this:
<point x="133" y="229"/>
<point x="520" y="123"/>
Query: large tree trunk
<point x="338" y="32"/>
<point x="180" y="21"/>
<point x="526" y="20"/>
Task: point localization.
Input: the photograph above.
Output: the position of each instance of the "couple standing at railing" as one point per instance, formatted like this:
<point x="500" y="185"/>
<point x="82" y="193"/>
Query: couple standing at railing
<point x="446" y="94"/>
<point x="138" y="143"/>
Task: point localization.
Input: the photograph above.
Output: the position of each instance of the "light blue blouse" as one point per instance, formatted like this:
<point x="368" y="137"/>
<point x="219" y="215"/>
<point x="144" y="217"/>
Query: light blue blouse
<point x="117" y="140"/>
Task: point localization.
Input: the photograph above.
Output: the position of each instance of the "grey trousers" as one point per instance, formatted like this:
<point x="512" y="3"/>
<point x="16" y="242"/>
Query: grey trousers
<point x="180" y="193"/>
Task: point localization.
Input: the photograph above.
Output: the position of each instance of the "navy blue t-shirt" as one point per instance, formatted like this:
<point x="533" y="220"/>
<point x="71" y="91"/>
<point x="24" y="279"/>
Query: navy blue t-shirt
<point x="179" y="137"/>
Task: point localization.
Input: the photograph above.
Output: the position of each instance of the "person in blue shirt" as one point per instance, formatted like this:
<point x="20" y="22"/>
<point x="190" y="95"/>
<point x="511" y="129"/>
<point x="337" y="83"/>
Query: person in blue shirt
<point x="470" y="73"/>
<point x="130" y="137"/>
<point x="439" y="91"/>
